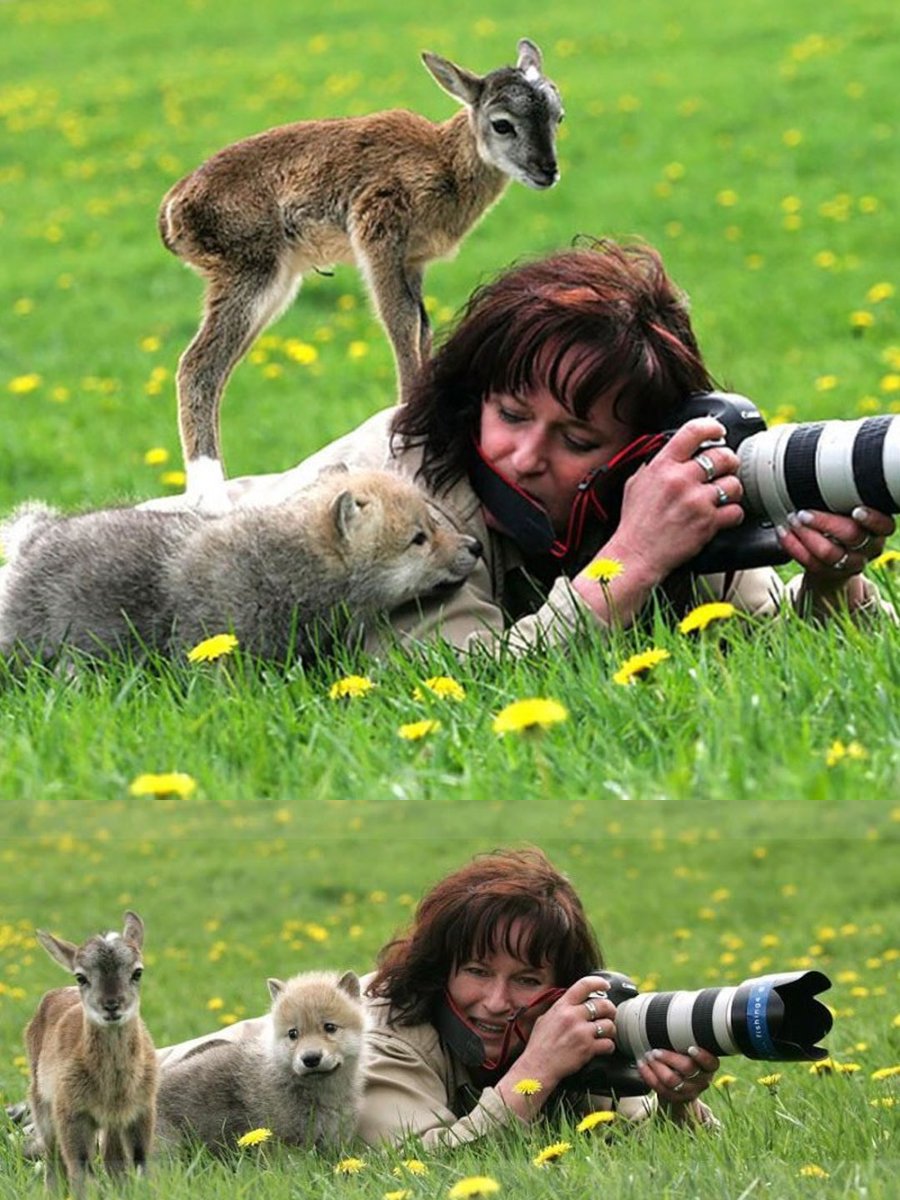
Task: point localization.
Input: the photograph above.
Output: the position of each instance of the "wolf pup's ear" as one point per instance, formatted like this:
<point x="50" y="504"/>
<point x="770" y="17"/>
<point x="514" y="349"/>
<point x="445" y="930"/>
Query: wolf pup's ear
<point x="349" y="983"/>
<point x="276" y="987"/>
<point x="346" y="510"/>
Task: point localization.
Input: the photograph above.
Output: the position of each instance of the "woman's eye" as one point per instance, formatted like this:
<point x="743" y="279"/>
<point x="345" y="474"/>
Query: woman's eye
<point x="579" y="447"/>
<point x="510" y="417"/>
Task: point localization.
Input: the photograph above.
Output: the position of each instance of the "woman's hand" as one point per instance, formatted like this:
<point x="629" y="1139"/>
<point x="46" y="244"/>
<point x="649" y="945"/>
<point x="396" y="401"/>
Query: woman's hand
<point x="671" y="507"/>
<point x="678" y="1078"/>
<point x="577" y="1027"/>
<point x="834" y="550"/>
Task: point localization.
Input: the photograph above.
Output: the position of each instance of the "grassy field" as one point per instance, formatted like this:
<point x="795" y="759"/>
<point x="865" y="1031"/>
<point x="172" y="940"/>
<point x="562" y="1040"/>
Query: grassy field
<point x="738" y="813"/>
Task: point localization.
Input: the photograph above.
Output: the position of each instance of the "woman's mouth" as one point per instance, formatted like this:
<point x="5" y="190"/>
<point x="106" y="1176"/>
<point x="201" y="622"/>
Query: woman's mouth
<point x="490" y="1029"/>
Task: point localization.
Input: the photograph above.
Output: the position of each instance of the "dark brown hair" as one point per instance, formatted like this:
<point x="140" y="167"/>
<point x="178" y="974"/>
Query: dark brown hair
<point x="602" y="319"/>
<point x="470" y="913"/>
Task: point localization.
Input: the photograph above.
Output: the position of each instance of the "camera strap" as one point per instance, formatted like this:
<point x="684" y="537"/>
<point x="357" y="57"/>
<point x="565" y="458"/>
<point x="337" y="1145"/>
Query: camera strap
<point x="594" y="512"/>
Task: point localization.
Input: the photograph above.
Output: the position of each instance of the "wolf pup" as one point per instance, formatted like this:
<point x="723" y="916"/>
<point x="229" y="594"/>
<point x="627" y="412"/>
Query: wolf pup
<point x="286" y="579"/>
<point x="303" y="1081"/>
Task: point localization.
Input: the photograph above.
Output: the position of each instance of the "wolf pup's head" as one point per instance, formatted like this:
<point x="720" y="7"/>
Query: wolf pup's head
<point x="393" y="542"/>
<point x="317" y="1022"/>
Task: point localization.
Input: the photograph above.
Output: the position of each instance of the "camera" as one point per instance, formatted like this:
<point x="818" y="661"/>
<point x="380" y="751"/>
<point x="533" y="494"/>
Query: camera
<point x="776" y="1018"/>
<point x="830" y="466"/>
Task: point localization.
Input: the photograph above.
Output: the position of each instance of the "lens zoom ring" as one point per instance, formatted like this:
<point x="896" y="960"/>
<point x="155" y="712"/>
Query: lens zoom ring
<point x="799" y="467"/>
<point x="702" y="1021"/>
<point x="656" y="1023"/>
<point x="868" y="464"/>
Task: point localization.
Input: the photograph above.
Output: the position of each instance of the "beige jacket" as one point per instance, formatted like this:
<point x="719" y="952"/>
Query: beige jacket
<point x="413" y="1084"/>
<point x="473" y="616"/>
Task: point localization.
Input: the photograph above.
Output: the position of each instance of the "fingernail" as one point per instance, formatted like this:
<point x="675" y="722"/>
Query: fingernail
<point x="780" y="532"/>
<point x="792" y="519"/>
<point x="693" y="1051"/>
<point x="860" y="514"/>
<point x="804" y="517"/>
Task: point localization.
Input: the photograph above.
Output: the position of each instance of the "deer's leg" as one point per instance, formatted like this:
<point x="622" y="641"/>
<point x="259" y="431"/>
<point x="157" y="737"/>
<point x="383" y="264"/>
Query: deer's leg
<point x="77" y="1134"/>
<point x="237" y="308"/>
<point x="378" y="231"/>
<point x="115" y="1158"/>
<point x="140" y="1137"/>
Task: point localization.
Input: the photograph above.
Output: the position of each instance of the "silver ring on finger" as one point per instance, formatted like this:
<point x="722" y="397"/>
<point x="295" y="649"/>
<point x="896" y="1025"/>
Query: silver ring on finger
<point x="591" y="1009"/>
<point x="721" y="497"/>
<point x="861" y="545"/>
<point x="693" y="1075"/>
<point x="841" y="564"/>
<point x="679" y="1086"/>
<point x="598" y="1030"/>
<point x="709" y="467"/>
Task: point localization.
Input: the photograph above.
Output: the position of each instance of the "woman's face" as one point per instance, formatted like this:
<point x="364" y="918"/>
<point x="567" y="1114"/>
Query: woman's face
<point x="490" y="990"/>
<point x="545" y="450"/>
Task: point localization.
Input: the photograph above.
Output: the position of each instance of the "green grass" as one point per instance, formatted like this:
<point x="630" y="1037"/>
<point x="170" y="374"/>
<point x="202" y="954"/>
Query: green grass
<point x="756" y="145"/>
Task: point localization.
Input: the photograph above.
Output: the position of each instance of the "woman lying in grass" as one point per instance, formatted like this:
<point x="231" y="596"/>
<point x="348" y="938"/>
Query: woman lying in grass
<point x="480" y="1014"/>
<point x="552" y="373"/>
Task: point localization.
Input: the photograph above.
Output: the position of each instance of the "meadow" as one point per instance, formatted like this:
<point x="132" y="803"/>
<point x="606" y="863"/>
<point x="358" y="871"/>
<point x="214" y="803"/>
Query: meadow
<point x="736" y="813"/>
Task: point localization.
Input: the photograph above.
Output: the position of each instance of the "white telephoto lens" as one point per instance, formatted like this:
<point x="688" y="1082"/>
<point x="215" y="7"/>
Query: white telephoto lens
<point x="761" y="472"/>
<point x="834" y="465"/>
<point x="891" y="460"/>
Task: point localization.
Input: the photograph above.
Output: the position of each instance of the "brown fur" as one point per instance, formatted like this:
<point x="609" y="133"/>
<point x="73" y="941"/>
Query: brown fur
<point x="90" y="1079"/>
<point x="390" y="191"/>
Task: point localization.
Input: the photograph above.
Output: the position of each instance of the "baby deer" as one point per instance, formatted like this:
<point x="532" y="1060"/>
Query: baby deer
<point x="93" y="1065"/>
<point x="390" y="191"/>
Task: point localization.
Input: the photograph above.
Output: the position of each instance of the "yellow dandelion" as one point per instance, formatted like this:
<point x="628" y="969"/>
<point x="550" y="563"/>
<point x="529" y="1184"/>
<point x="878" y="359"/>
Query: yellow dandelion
<point x="351" y="687"/>
<point x="173" y="479"/>
<point x="415" y="1166"/>
<point x="826" y="383"/>
<point x="301" y="352"/>
<point x="156" y="456"/>
<point x="828" y="1066"/>
<point x="725" y="1081"/>
<point x="883" y="1102"/>
<point x="862" y="319"/>
<point x="528" y="1087"/>
<point x="812" y="1171"/>
<point x="526" y="715"/>
<point x="212" y="648"/>
<point x="418" y="729"/>
<point x="150" y="344"/>
<point x="254" y="1138"/>
<point x="443" y="686"/>
<point x="593" y="1119"/>
<point x="399" y="1194"/>
<point x="885" y="1073"/>
<point x="879" y="291"/>
<point x="639" y="665"/>
<point x="551" y="1153"/>
<point x="698" y="618"/>
<point x="887" y="561"/>
<point x="173" y="783"/>
<point x="473" y="1185"/>
<point x="727" y="197"/>
<point x="604" y="570"/>
<point x="349" y="1166"/>
<point x="215" y="1004"/>
<point x="770" y="1081"/>
<point x="837" y="752"/>
<point x="357" y="350"/>
<point x="21" y="385"/>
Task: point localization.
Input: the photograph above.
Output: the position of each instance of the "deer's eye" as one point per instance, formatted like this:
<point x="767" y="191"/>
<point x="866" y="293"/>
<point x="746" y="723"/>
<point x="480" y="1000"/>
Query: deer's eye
<point x="293" y="1034"/>
<point x="80" y="979"/>
<point x="420" y="538"/>
<point x="503" y="127"/>
<point x="136" y="974"/>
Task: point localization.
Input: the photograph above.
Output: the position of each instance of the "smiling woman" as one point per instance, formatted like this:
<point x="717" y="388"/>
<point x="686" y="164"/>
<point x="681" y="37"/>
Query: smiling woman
<point x="556" y="370"/>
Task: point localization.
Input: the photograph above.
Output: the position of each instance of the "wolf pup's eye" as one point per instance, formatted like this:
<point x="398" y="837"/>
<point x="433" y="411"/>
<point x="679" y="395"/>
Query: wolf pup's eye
<point x="330" y="1027"/>
<point x="293" y="1034"/>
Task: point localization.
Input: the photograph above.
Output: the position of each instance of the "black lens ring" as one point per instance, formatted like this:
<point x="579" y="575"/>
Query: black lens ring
<point x="704" y="1029"/>
<point x="656" y="1023"/>
<point x="798" y="468"/>
<point x="868" y="464"/>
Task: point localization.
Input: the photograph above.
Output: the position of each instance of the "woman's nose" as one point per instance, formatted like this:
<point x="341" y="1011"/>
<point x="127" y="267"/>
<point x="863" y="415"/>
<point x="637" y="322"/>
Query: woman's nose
<point x="529" y="455"/>
<point x="498" y="998"/>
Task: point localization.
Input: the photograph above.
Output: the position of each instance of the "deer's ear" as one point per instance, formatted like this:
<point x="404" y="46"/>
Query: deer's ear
<point x="134" y="929"/>
<point x="529" y="56"/>
<point x="463" y="85"/>
<point x="63" y="952"/>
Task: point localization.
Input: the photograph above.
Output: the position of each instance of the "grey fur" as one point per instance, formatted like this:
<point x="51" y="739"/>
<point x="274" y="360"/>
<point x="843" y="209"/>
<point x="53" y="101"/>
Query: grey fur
<point x="286" y="577"/>
<point x="225" y="1089"/>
